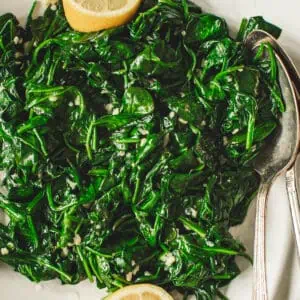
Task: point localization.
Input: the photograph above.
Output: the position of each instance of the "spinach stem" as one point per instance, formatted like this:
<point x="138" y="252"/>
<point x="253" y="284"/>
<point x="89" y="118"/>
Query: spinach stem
<point x="193" y="226"/>
<point x="88" y="140"/>
<point x="85" y="264"/>
<point x="250" y="132"/>
<point x="98" y="252"/>
<point x="41" y="142"/>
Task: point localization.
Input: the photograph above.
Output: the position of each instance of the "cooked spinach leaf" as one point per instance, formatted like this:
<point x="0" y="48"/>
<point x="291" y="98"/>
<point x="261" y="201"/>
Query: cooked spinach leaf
<point x="126" y="155"/>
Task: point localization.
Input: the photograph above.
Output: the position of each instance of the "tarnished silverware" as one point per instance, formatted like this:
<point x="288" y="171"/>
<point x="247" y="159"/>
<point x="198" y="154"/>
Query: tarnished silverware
<point x="292" y="175"/>
<point x="278" y="156"/>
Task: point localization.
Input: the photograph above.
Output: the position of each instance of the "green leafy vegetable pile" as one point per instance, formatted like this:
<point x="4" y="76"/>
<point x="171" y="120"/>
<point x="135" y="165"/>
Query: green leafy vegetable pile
<point x="126" y="154"/>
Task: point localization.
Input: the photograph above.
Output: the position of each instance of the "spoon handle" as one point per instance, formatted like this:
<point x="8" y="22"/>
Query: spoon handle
<point x="260" y="291"/>
<point x="291" y="185"/>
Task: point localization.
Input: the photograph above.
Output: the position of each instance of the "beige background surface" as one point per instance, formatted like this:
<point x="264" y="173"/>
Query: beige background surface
<point x="283" y="268"/>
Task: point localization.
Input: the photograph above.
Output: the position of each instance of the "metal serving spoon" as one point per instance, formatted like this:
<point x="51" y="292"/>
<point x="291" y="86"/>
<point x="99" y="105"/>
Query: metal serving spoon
<point x="278" y="156"/>
<point x="294" y="172"/>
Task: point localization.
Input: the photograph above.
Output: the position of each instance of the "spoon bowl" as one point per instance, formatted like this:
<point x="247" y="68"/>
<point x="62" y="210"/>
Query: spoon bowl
<point x="280" y="153"/>
<point x="257" y="37"/>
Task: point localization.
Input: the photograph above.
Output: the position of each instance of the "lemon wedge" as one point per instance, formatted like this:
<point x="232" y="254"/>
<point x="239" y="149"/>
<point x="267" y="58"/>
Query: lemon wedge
<point x="95" y="15"/>
<point x="140" y="292"/>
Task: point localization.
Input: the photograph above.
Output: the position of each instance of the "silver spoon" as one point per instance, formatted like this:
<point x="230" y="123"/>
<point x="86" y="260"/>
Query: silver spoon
<point x="294" y="172"/>
<point x="278" y="156"/>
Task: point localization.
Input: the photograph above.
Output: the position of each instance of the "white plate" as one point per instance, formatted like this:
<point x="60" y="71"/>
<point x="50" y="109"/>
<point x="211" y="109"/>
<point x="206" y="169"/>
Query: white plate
<point x="283" y="270"/>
